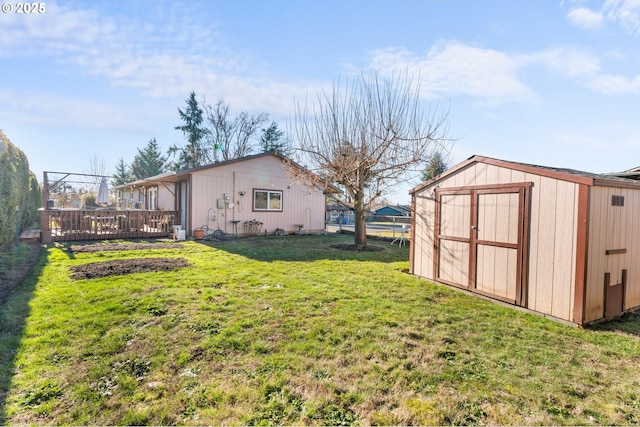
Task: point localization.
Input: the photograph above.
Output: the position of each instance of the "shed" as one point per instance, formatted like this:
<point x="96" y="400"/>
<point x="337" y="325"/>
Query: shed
<point x="559" y="242"/>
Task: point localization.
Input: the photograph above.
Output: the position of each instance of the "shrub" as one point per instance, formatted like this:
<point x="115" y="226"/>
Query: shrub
<point x="18" y="187"/>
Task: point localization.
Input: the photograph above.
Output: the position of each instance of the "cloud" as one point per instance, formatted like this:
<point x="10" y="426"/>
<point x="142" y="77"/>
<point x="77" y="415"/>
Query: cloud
<point x="587" y="70"/>
<point x="160" y="62"/>
<point x="496" y="78"/>
<point x="53" y="111"/>
<point x="567" y="61"/>
<point x="454" y="68"/>
<point x="625" y="13"/>
<point x="585" y="18"/>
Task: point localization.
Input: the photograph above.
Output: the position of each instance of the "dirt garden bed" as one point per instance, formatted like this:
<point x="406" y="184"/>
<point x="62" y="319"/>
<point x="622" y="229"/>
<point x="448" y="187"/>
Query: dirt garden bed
<point x="121" y="267"/>
<point x="357" y="248"/>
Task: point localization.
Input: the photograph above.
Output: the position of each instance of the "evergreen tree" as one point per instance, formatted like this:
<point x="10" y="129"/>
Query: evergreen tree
<point x="435" y="166"/>
<point x="123" y="173"/>
<point x="272" y="139"/>
<point x="149" y="161"/>
<point x="193" y="154"/>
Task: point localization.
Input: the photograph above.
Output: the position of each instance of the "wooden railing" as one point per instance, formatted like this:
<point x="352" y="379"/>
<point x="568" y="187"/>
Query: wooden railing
<point x="72" y="224"/>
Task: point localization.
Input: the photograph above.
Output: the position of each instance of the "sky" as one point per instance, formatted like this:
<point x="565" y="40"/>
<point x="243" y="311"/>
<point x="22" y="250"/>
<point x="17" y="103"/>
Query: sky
<point x="553" y="83"/>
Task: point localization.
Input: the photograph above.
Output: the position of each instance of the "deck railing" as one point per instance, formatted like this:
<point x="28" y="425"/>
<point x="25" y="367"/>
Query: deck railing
<point x="75" y="224"/>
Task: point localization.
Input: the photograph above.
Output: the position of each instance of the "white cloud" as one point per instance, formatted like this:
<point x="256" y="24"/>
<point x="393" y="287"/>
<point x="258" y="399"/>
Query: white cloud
<point x="585" y="18"/>
<point x="624" y="12"/>
<point x="615" y="85"/>
<point x="51" y="110"/>
<point x="160" y="62"/>
<point x="458" y="69"/>
<point x="568" y="61"/>
<point x="586" y="69"/>
<point x="495" y="78"/>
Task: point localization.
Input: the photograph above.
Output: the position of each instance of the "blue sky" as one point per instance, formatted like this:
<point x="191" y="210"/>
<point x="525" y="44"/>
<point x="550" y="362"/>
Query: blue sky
<point x="555" y="83"/>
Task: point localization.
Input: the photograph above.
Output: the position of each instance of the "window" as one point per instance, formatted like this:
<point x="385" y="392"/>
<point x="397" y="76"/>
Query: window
<point x="617" y="200"/>
<point x="267" y="200"/>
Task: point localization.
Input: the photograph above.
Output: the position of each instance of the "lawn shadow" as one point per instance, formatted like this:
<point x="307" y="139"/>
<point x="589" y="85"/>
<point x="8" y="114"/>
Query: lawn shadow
<point x="14" y="311"/>
<point x="628" y="323"/>
<point x="309" y="248"/>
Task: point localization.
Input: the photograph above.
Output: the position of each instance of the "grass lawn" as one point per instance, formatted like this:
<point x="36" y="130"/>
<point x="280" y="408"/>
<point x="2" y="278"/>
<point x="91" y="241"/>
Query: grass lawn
<point x="287" y="330"/>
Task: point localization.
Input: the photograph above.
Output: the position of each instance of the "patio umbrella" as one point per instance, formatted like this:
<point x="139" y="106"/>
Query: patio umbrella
<point x="103" y="194"/>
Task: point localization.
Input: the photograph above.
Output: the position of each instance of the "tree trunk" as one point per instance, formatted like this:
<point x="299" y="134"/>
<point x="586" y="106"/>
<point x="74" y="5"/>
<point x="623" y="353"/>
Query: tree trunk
<point x="360" y="225"/>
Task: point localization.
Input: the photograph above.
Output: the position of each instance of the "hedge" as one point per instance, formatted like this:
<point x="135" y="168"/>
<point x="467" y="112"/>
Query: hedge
<point x="18" y="187"/>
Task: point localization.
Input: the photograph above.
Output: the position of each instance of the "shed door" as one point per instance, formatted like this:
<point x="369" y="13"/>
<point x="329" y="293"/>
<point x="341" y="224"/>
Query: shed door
<point x="481" y="239"/>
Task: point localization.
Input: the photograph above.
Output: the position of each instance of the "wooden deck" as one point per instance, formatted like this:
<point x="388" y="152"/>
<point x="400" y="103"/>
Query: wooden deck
<point x="74" y="224"/>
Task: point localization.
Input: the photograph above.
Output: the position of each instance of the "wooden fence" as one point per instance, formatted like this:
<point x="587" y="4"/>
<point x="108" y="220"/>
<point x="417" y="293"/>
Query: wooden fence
<point x="73" y="224"/>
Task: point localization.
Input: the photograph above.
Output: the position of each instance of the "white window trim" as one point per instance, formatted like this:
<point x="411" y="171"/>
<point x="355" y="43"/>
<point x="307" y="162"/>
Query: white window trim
<point x="269" y="192"/>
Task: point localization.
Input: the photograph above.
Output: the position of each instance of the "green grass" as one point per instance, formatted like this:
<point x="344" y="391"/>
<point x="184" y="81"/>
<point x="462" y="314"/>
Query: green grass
<point x="286" y="330"/>
<point x="10" y="257"/>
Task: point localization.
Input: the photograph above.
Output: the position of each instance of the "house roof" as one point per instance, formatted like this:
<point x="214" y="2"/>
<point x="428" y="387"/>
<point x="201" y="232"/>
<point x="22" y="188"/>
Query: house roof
<point x="565" y="174"/>
<point x="397" y="208"/>
<point x="183" y="174"/>
<point x="631" y="173"/>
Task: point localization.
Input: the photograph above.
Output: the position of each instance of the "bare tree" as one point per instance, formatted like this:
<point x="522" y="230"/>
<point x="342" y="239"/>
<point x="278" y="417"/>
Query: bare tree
<point x="97" y="169"/>
<point x="232" y="137"/>
<point x="367" y="136"/>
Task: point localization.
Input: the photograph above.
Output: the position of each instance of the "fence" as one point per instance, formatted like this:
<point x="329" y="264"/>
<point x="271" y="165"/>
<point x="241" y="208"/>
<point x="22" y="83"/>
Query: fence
<point x="74" y="224"/>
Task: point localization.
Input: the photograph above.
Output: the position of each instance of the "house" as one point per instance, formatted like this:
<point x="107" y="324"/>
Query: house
<point x="397" y="210"/>
<point x="631" y="173"/>
<point x="234" y="196"/>
<point x="338" y="213"/>
<point x="559" y="242"/>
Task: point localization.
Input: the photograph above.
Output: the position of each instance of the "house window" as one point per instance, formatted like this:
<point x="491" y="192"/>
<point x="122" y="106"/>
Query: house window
<point x="617" y="200"/>
<point x="267" y="200"/>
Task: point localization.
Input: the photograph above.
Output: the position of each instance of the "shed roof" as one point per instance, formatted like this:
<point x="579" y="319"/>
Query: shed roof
<point x="564" y="174"/>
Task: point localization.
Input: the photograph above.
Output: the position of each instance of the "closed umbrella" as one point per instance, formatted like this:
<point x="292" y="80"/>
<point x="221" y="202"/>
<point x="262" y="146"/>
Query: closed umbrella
<point x="103" y="194"/>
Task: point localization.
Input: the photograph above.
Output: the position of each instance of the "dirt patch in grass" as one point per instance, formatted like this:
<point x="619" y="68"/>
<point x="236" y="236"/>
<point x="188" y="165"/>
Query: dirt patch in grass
<point x="124" y="247"/>
<point x="357" y="248"/>
<point x="126" y="266"/>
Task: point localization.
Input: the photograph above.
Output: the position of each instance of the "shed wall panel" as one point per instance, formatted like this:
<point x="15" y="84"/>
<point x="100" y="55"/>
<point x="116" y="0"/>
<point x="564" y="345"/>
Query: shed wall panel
<point x="611" y="228"/>
<point x="424" y="220"/>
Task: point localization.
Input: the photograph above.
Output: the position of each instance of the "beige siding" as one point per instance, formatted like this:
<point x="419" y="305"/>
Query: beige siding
<point x="299" y="204"/>
<point x="496" y="272"/>
<point x="553" y="234"/>
<point x="166" y="198"/>
<point x="497" y="222"/>
<point x="454" y="262"/>
<point x="612" y="227"/>
<point x="455" y="215"/>
<point x="423" y="222"/>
